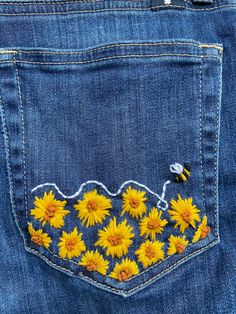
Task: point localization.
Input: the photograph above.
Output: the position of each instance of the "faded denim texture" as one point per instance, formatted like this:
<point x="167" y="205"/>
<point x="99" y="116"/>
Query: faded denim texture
<point x="114" y="91"/>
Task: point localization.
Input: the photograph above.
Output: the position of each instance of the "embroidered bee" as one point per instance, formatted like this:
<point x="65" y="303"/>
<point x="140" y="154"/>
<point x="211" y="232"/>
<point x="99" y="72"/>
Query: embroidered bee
<point x="183" y="172"/>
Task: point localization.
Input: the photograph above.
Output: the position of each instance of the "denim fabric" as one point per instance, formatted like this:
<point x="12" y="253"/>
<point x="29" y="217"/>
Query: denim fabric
<point x="108" y="92"/>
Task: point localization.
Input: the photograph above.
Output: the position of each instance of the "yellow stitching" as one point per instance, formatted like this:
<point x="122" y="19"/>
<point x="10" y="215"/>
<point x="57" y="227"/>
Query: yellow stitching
<point x="71" y="244"/>
<point x="93" y="202"/>
<point x="113" y="9"/>
<point x="120" y="45"/>
<point x="49" y="210"/>
<point x="211" y="46"/>
<point x="109" y="58"/>
<point x="118" y="57"/>
<point x="7" y="51"/>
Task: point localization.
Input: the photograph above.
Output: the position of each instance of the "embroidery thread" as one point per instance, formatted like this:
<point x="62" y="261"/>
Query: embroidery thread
<point x="124" y="270"/>
<point x="49" y="210"/>
<point x="184" y="213"/>
<point x="183" y="172"/>
<point x="177" y="244"/>
<point x="117" y="239"/>
<point x="94" y="261"/>
<point x="71" y="244"/>
<point x="83" y="185"/>
<point x="152" y="224"/>
<point x="150" y="253"/>
<point x="93" y="208"/>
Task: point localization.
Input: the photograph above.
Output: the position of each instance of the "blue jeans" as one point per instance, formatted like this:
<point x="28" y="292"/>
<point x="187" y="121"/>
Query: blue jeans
<point x="117" y="156"/>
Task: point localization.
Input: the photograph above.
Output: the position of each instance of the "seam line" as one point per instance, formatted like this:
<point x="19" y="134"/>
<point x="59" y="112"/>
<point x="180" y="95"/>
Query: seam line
<point x="113" y="57"/>
<point x="113" y="9"/>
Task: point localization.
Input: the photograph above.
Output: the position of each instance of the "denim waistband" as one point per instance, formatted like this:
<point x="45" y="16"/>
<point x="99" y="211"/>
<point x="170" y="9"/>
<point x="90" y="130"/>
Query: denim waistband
<point x="46" y="7"/>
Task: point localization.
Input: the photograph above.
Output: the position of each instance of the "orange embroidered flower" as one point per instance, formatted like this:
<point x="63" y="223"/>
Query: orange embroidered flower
<point x="125" y="270"/>
<point x="94" y="261"/>
<point x="202" y="231"/>
<point x="177" y="245"/>
<point x="152" y="224"/>
<point x="39" y="237"/>
<point x="49" y="210"/>
<point x="184" y="213"/>
<point x="115" y="238"/>
<point x="71" y="244"/>
<point x="134" y="202"/>
<point x="93" y="208"/>
<point x="150" y="252"/>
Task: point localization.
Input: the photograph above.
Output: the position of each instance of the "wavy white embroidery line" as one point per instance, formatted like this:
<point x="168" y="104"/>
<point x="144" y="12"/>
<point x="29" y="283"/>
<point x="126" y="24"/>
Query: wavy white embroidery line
<point x="161" y="198"/>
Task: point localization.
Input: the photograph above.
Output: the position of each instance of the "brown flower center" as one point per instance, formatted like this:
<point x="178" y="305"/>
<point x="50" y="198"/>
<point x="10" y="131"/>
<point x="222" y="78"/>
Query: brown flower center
<point x="180" y="248"/>
<point x="91" y="266"/>
<point x="134" y="203"/>
<point x="153" y="224"/>
<point x="50" y="211"/>
<point x="70" y="245"/>
<point x="92" y="206"/>
<point x="186" y="216"/>
<point x="115" y="240"/>
<point x="205" y="230"/>
<point x="37" y="239"/>
<point x="124" y="275"/>
<point x="150" y="252"/>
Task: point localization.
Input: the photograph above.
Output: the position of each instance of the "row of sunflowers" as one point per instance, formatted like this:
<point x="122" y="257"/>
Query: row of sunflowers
<point x="116" y="238"/>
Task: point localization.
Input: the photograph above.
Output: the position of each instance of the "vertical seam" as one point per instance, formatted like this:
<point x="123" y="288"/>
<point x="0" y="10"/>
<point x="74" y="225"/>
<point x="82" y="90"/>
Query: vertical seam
<point x="23" y="136"/>
<point x="201" y="132"/>
<point x="217" y="151"/>
<point x="7" y="154"/>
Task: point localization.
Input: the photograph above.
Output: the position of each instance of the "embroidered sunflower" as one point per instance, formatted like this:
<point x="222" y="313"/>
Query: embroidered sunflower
<point x="134" y="202"/>
<point x="71" y="244"/>
<point x="152" y="224"/>
<point x="39" y="237"/>
<point x="202" y="231"/>
<point x="184" y="213"/>
<point x="150" y="252"/>
<point x="94" y="261"/>
<point x="125" y="270"/>
<point x="115" y="238"/>
<point x="93" y="208"/>
<point x="49" y="210"/>
<point x="177" y="244"/>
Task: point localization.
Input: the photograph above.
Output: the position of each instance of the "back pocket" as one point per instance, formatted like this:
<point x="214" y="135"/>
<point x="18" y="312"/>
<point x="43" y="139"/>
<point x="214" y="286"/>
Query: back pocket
<point x="112" y="157"/>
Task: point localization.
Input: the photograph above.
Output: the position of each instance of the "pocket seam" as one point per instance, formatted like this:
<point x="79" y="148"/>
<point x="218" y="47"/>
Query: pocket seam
<point x="25" y="188"/>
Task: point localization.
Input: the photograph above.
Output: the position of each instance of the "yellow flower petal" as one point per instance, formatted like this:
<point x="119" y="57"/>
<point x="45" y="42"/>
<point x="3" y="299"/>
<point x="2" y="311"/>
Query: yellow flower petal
<point x="202" y="231"/>
<point x="177" y="244"/>
<point x="39" y="237"/>
<point x="93" y="208"/>
<point x="184" y="213"/>
<point x="152" y="224"/>
<point x="150" y="252"/>
<point x="94" y="261"/>
<point x="49" y="210"/>
<point x="71" y="244"/>
<point x="125" y="270"/>
<point x="115" y="238"/>
<point x="134" y="203"/>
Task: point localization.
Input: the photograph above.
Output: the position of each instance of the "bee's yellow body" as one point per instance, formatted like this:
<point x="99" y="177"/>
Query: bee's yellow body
<point x="182" y="173"/>
<point x="183" y="177"/>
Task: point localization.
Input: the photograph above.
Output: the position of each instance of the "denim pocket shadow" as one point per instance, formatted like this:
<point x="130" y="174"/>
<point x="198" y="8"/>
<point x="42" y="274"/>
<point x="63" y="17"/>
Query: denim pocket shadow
<point x="89" y="139"/>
